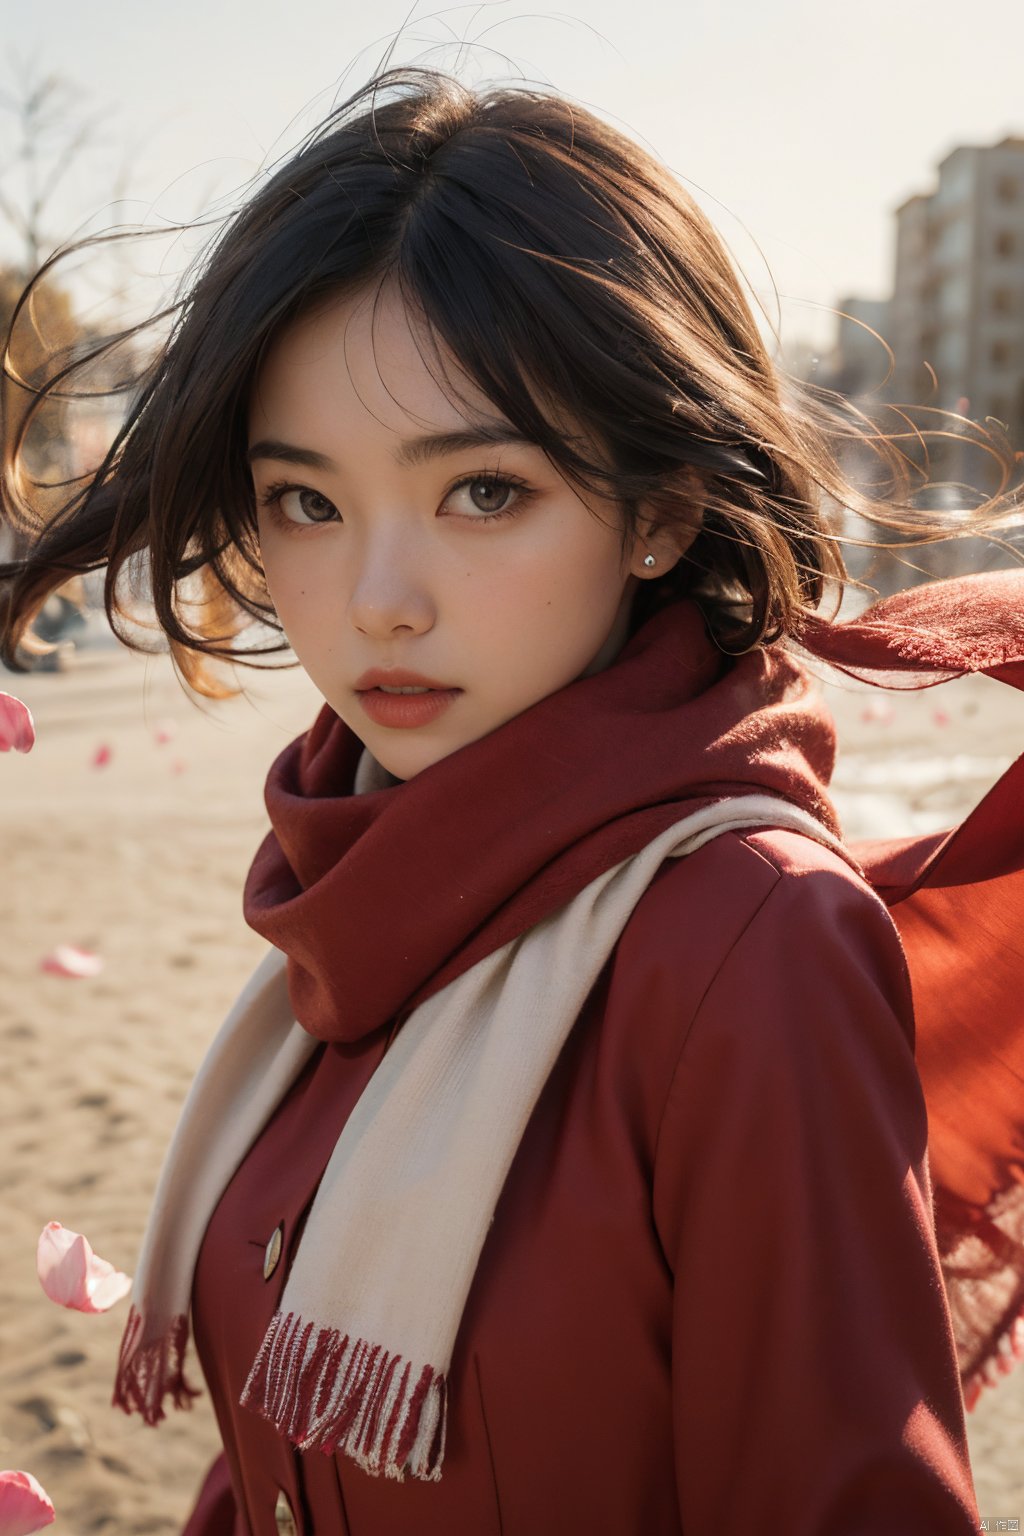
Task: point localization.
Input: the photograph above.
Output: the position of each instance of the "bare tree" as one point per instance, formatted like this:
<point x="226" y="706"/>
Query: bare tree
<point x="52" y="130"/>
<point x="48" y="131"/>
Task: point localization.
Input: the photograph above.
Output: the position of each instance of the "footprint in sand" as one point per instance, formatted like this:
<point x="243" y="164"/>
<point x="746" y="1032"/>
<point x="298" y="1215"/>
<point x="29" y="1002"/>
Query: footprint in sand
<point x="116" y="1465"/>
<point x="66" y="1358"/>
<point x="43" y="1409"/>
<point x="57" y="1416"/>
<point x="92" y="1101"/>
<point x="84" y="1181"/>
<point x="21" y="1032"/>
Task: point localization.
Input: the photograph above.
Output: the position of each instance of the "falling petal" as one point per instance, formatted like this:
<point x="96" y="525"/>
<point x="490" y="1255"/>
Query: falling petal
<point x="66" y="960"/>
<point x="178" y="766"/>
<point x="101" y="757"/>
<point x="879" y="711"/>
<point x="941" y="716"/>
<point x="165" y="731"/>
<point x="73" y="1276"/>
<point x="17" y="729"/>
<point x="25" y="1506"/>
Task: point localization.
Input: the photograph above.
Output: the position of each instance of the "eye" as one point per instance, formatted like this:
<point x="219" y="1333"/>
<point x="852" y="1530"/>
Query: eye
<point x="490" y="495"/>
<point x="297" y="504"/>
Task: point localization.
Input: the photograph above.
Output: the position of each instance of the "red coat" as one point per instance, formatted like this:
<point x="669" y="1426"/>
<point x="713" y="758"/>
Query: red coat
<point x="710" y="1300"/>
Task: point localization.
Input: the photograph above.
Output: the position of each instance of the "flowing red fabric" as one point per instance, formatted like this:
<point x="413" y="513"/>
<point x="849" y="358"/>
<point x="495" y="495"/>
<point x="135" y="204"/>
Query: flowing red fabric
<point x="957" y="899"/>
<point x="494" y="837"/>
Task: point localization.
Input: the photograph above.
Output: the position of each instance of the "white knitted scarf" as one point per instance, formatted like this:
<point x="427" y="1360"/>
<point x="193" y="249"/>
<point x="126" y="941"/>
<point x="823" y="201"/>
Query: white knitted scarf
<point x="357" y="1355"/>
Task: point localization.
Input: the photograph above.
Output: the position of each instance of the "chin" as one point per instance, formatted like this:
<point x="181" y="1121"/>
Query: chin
<point x="408" y="762"/>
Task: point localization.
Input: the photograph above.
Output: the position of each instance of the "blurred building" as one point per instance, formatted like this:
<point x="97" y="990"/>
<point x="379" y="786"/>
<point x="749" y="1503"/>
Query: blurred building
<point x="955" y="321"/>
<point x="958" y="289"/>
<point x="860" y="362"/>
<point x="955" y="326"/>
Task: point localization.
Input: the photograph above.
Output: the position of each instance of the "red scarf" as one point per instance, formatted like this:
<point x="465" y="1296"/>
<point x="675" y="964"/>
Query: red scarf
<point x="381" y="899"/>
<point x="485" y="843"/>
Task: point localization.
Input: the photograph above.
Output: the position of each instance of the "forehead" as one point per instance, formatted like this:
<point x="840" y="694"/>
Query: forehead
<point x="363" y="359"/>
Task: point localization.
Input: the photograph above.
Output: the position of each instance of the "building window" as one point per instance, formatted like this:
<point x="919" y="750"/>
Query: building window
<point x="1007" y="189"/>
<point x="999" y="356"/>
<point x="1005" y="243"/>
<point x="1002" y="301"/>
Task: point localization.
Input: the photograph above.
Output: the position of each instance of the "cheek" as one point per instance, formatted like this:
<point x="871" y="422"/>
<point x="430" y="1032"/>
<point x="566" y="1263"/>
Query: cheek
<point x="293" y="583"/>
<point x="576" y="568"/>
<point x="543" y="622"/>
<point x="578" y="588"/>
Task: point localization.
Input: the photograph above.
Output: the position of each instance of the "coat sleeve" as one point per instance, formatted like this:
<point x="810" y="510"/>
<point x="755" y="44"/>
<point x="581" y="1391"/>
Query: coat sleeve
<point x="215" y="1512"/>
<point x="814" y="1374"/>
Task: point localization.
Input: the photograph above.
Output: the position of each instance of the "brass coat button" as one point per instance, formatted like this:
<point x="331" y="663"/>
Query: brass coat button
<point x="273" y="1253"/>
<point x="284" y="1517"/>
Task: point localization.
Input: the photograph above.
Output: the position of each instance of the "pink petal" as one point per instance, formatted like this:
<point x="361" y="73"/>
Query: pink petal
<point x="17" y="729"/>
<point x="75" y="1277"/>
<point x="879" y="710"/>
<point x="66" y="960"/>
<point x="164" y="732"/>
<point x="941" y="716"/>
<point x="101" y="757"/>
<point x="24" y="1505"/>
<point x="178" y="766"/>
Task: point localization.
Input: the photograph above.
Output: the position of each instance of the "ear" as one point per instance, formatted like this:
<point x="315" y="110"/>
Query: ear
<point x="667" y="538"/>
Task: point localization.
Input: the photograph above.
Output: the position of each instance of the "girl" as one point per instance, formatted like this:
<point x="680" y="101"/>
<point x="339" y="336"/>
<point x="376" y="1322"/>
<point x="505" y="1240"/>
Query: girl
<point x="563" y="1168"/>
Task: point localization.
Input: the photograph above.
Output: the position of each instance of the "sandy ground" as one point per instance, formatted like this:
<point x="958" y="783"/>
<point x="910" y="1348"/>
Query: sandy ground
<point x="143" y="861"/>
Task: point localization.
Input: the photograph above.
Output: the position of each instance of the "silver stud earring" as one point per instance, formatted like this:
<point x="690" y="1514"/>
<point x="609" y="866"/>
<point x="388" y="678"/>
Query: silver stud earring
<point x="649" y="560"/>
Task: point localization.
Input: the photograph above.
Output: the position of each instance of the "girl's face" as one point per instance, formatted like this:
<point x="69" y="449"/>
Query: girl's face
<point x="394" y="537"/>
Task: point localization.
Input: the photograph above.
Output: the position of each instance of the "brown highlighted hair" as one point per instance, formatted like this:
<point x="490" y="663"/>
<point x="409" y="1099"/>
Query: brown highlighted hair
<point x="560" y="263"/>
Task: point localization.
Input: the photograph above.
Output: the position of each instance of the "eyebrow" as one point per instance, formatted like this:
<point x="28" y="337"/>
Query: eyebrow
<point x="413" y="450"/>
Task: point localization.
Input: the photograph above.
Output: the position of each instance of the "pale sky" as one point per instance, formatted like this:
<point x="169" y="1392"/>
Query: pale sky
<point x="800" y="125"/>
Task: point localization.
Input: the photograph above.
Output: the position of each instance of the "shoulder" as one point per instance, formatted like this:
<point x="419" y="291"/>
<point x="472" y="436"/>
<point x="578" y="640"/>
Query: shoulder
<point x="748" y="889"/>
<point x="749" y="935"/>
<point x="798" y="1053"/>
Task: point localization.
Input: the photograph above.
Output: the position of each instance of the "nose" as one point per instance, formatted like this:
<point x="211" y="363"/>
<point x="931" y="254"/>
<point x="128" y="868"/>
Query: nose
<point x="391" y="590"/>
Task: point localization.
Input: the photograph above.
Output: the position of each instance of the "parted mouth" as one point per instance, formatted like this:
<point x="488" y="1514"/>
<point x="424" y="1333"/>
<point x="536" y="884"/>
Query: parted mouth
<point x="397" y="678"/>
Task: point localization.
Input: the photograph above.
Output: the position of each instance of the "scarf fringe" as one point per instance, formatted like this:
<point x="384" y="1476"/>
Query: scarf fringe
<point x="323" y="1389"/>
<point x="145" y="1376"/>
<point x="1008" y="1350"/>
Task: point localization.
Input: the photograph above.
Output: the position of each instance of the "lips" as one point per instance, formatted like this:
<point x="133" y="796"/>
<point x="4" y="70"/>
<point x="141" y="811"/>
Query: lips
<point x="398" y="677"/>
<point x="406" y="710"/>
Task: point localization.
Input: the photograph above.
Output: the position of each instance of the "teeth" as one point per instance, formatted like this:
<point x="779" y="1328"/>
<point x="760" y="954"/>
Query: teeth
<point x="402" y="690"/>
